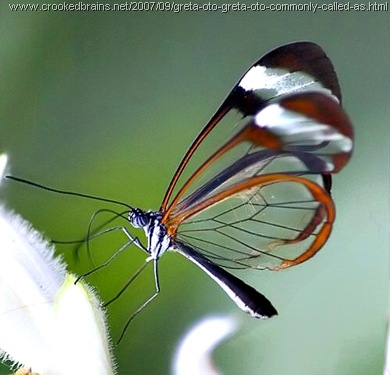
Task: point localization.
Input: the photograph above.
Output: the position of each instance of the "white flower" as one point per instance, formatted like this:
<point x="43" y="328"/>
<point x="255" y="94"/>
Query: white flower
<point x="193" y="355"/>
<point x="47" y="323"/>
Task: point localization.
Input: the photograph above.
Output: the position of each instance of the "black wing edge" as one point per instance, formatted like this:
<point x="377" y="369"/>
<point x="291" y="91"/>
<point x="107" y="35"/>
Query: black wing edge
<point x="306" y="57"/>
<point x="246" y="297"/>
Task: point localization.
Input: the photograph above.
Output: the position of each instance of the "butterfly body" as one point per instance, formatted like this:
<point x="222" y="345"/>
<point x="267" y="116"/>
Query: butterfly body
<point x="159" y="241"/>
<point x="150" y="221"/>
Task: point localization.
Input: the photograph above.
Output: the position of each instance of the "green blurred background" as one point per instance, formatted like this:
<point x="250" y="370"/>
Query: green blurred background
<point x="106" y="103"/>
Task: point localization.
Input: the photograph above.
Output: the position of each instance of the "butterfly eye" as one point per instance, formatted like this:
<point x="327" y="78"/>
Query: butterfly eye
<point x="138" y="218"/>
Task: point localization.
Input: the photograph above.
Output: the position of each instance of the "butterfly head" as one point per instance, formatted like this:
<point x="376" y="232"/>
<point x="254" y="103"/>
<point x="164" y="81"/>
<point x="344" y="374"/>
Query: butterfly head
<point x="139" y="218"/>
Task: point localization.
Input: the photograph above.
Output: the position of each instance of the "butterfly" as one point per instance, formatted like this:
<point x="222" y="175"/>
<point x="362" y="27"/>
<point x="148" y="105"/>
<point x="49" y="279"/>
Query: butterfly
<point x="269" y="205"/>
<point x="262" y="199"/>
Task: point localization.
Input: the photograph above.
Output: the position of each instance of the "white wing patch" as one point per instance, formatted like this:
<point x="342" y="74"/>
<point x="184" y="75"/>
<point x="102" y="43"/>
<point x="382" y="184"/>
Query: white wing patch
<point x="280" y="81"/>
<point x="295" y="129"/>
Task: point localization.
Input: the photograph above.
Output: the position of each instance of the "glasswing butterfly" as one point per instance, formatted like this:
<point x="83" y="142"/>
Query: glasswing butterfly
<point x="262" y="199"/>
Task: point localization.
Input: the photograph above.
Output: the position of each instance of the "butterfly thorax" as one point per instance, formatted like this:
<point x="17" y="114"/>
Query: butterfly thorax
<point x="158" y="239"/>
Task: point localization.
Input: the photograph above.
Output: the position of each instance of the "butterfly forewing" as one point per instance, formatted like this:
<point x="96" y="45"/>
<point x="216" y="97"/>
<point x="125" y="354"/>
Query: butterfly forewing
<point x="298" y="134"/>
<point x="292" y="68"/>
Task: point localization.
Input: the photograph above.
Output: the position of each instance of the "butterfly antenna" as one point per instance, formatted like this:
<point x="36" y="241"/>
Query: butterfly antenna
<point x="65" y="192"/>
<point x="96" y="232"/>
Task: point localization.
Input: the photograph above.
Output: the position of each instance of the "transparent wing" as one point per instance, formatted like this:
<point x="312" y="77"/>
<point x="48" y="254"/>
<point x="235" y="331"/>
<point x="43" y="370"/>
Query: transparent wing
<point x="273" y="221"/>
<point x="268" y="206"/>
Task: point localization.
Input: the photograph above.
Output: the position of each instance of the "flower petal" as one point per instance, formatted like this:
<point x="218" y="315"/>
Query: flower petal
<point x="193" y="355"/>
<point x="47" y="323"/>
<point x="82" y="330"/>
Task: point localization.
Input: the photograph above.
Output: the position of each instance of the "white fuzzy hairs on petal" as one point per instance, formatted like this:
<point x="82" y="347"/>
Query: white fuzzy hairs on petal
<point x="48" y="323"/>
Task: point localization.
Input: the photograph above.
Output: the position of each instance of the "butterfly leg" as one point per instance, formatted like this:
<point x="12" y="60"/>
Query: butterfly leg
<point x="150" y="299"/>
<point x="132" y="240"/>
